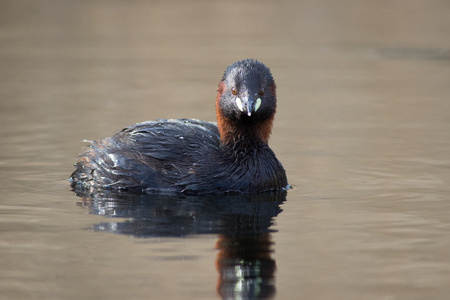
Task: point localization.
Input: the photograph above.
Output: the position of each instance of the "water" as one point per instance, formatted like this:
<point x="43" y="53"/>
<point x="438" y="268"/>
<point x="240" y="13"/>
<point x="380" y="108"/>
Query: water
<point x="362" y="128"/>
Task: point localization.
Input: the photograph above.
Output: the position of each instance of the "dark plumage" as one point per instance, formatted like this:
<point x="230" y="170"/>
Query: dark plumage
<point x="193" y="156"/>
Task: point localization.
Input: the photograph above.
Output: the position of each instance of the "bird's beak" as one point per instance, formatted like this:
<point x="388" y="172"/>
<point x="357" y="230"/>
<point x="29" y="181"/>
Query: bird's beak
<point x="248" y="104"/>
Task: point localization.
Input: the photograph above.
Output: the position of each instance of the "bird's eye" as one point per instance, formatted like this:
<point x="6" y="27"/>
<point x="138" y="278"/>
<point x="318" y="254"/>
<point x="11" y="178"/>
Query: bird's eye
<point x="261" y="93"/>
<point x="233" y="91"/>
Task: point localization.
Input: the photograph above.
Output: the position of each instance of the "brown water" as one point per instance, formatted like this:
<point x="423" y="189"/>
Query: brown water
<point x="363" y="130"/>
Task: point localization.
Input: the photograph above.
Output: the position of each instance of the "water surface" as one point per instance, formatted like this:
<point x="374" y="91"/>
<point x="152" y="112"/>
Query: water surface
<point x="362" y="129"/>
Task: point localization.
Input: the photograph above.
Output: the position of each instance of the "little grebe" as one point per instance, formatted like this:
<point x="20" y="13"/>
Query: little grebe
<point x="192" y="156"/>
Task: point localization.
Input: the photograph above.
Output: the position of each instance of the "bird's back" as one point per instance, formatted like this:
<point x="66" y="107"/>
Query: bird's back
<point x="155" y="155"/>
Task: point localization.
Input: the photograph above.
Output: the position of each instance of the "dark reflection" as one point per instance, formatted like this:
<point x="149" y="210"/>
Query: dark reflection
<point x="246" y="268"/>
<point x="244" y="263"/>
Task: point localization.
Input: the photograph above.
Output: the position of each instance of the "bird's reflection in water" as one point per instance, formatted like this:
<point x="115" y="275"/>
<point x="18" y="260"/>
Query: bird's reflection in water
<point x="244" y="262"/>
<point x="246" y="268"/>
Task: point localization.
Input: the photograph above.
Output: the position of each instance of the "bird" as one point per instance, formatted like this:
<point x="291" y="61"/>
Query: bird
<point x="191" y="156"/>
